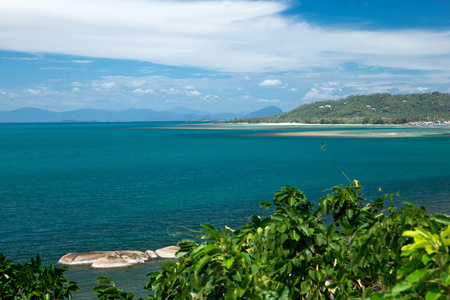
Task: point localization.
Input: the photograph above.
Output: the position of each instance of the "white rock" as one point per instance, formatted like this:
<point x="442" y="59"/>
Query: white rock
<point x="134" y="257"/>
<point x="116" y="259"/>
<point x="85" y="258"/>
<point x="167" y="252"/>
<point x="110" y="261"/>
<point x="151" y="254"/>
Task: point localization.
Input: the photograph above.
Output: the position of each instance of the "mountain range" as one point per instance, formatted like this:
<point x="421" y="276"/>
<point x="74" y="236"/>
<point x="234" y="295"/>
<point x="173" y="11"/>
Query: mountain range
<point x="31" y="114"/>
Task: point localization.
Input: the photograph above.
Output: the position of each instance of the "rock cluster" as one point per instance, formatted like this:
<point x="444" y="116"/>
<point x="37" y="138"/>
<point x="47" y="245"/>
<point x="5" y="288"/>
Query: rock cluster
<point x="116" y="259"/>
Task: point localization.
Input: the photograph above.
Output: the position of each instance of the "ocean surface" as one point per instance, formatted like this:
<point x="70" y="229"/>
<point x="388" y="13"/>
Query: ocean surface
<point x="72" y="187"/>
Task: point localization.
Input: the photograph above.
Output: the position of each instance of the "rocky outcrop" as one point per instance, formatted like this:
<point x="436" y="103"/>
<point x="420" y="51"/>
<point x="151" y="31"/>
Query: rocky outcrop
<point x="86" y="258"/>
<point x="151" y="254"/>
<point x="167" y="252"/>
<point x="111" y="261"/>
<point x="116" y="259"/>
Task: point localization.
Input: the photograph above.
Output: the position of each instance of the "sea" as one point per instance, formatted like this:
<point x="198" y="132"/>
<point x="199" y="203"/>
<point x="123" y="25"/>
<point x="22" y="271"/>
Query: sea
<point x="76" y="187"/>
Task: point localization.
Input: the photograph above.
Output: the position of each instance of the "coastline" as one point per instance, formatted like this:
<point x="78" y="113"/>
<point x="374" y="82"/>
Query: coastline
<point x="341" y="134"/>
<point x="320" y="130"/>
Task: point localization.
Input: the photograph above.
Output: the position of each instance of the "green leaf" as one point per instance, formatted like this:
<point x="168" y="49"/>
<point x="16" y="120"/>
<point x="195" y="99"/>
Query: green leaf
<point x="265" y="203"/>
<point x="202" y="250"/>
<point x="246" y="257"/>
<point x="228" y="262"/>
<point x="201" y="263"/>
<point x="443" y="219"/>
<point x="426" y="258"/>
<point x="211" y="230"/>
<point x="446" y="232"/>
<point x="433" y="295"/>
<point x="347" y="229"/>
<point x="305" y="229"/>
<point x="285" y="294"/>
<point x="104" y="280"/>
<point x="294" y="235"/>
<point x="416" y="275"/>
<point x="308" y="255"/>
<point x="282" y="227"/>
<point x="237" y="276"/>
<point x="445" y="279"/>
<point x="400" y="287"/>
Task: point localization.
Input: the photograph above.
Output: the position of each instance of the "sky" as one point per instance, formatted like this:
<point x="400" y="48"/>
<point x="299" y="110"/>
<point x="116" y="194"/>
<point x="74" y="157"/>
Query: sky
<point x="217" y="56"/>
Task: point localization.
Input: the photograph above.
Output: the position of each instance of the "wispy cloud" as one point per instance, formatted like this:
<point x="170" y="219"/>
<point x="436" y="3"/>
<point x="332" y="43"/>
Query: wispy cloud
<point x="21" y="58"/>
<point x="234" y="36"/>
<point x="81" y="61"/>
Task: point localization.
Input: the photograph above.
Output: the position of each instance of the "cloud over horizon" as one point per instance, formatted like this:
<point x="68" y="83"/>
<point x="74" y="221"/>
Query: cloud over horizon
<point x="216" y="55"/>
<point x="228" y="36"/>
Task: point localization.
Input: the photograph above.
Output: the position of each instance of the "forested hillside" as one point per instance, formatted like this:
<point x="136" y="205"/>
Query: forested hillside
<point x="368" y="109"/>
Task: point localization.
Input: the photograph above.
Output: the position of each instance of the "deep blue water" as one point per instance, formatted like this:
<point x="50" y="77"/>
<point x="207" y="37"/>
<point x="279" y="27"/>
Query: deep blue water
<point x="119" y="186"/>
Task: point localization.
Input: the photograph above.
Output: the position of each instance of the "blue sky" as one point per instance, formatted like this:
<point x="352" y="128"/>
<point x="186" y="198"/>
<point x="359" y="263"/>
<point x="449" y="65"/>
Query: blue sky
<point x="217" y="56"/>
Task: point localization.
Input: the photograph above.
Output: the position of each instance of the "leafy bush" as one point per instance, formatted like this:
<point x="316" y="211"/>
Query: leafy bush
<point x="30" y="281"/>
<point x="365" y="250"/>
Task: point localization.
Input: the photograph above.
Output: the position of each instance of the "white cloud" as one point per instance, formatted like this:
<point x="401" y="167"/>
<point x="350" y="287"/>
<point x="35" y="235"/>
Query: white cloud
<point x="171" y="91"/>
<point x="21" y="58"/>
<point x="270" y="82"/>
<point x="193" y="93"/>
<point x="293" y="90"/>
<point x="108" y="85"/>
<point x="146" y="91"/>
<point x="209" y="97"/>
<point x="235" y="36"/>
<point x="316" y="94"/>
<point x="41" y="90"/>
<point x="421" y="89"/>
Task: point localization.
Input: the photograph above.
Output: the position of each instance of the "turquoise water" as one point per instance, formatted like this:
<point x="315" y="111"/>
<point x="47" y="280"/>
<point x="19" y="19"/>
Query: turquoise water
<point x="119" y="186"/>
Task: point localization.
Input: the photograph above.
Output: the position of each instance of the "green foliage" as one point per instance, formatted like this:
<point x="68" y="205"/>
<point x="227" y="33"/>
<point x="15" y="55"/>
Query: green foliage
<point x="368" y="109"/>
<point x="426" y="273"/>
<point x="366" y="251"/>
<point x="31" y="281"/>
<point x="106" y="289"/>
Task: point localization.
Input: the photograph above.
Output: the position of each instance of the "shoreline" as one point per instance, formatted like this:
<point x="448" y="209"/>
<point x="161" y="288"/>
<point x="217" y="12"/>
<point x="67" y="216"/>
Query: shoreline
<point x="339" y="134"/>
<point x="320" y="130"/>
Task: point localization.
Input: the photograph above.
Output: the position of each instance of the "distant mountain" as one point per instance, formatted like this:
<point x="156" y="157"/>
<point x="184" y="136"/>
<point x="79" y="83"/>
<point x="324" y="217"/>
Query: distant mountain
<point x="265" y="112"/>
<point x="368" y="109"/>
<point x="30" y="114"/>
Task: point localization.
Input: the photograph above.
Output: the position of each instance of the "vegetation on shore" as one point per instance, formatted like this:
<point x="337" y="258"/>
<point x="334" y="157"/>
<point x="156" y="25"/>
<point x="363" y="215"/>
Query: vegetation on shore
<point x="343" y="247"/>
<point x="367" y="109"/>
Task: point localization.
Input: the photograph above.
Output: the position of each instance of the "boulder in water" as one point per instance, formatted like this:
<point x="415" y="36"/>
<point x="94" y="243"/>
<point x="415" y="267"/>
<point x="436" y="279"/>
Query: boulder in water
<point x="111" y="261"/>
<point x="167" y="252"/>
<point x="85" y="258"/>
<point x="116" y="259"/>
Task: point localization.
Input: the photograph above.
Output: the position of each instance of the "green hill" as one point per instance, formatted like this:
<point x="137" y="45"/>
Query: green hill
<point x="368" y="109"/>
